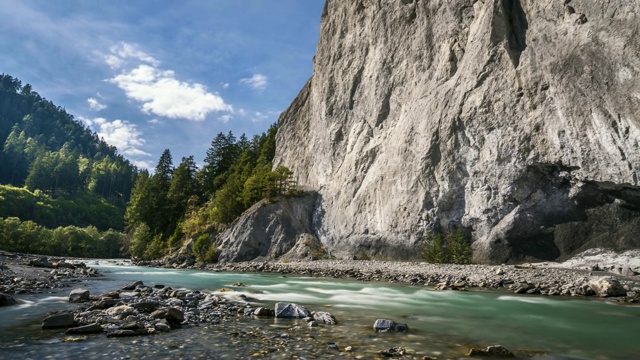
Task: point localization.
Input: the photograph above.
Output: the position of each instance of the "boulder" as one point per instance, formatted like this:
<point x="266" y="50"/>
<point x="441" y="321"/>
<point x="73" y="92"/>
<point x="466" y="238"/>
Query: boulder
<point x="607" y="286"/>
<point x="86" y="329"/>
<point x="146" y="306"/>
<point x="263" y="311"/>
<point x="79" y="295"/>
<point x="122" y="310"/>
<point x="324" y="318"/>
<point x="172" y="315"/>
<point x="133" y="285"/>
<point x="290" y="310"/>
<point x="491" y="351"/>
<point x="385" y="325"/>
<point x="58" y="321"/>
<point x="6" y="300"/>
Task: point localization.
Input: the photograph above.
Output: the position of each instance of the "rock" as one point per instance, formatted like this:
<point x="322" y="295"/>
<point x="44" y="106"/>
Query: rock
<point x="358" y="126"/>
<point x="6" y="300"/>
<point x="146" y="306"/>
<point x="491" y="351"/>
<point x="333" y="346"/>
<point x="262" y="311"/>
<point x="385" y="325"/>
<point x="173" y="316"/>
<point x="58" y="321"/>
<point x="324" y="318"/>
<point x="312" y="324"/>
<point x="122" y="311"/>
<point x="42" y="262"/>
<point x="79" y="295"/>
<point x="393" y="352"/>
<point x="290" y="310"/>
<point x="133" y="286"/>
<point x="162" y="325"/>
<point x="607" y="287"/>
<point x="86" y="329"/>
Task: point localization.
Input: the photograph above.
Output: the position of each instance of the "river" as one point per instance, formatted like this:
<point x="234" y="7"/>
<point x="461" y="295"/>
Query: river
<point x="442" y="323"/>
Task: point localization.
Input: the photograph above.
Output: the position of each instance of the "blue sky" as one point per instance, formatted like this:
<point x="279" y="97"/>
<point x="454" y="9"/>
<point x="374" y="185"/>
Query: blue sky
<point x="150" y="75"/>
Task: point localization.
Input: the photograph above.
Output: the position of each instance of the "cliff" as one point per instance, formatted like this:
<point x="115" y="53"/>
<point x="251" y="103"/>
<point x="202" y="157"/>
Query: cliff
<point x="516" y="119"/>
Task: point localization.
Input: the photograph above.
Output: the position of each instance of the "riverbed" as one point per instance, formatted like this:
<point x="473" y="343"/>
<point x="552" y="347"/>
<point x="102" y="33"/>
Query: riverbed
<point x="442" y="324"/>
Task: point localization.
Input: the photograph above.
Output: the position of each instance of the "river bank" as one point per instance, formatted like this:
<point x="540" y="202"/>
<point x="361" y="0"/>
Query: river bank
<point x="584" y="277"/>
<point x="31" y="274"/>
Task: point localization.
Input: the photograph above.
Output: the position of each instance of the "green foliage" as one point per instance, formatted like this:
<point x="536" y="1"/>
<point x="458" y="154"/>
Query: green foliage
<point x="205" y="250"/>
<point x="140" y="238"/>
<point x="29" y="237"/>
<point x="52" y="211"/>
<point x="450" y="248"/>
<point x="182" y="202"/>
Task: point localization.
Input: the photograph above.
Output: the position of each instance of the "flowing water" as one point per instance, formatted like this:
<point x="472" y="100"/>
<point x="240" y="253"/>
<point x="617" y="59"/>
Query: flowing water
<point x="442" y="323"/>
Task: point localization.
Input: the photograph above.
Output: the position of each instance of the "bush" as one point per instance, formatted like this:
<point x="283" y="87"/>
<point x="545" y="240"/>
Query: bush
<point x="452" y="248"/>
<point x="205" y="250"/>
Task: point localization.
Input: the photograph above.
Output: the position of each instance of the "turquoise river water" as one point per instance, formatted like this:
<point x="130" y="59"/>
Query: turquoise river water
<point x="442" y="323"/>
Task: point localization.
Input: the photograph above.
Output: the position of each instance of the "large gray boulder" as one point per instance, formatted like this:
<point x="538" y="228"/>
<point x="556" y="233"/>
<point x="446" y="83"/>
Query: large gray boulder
<point x="79" y="295"/>
<point x="606" y="286"/>
<point x="172" y="315"/>
<point x="518" y="120"/>
<point x="86" y="329"/>
<point x="6" y="300"/>
<point x="58" y="321"/>
<point x="290" y="310"/>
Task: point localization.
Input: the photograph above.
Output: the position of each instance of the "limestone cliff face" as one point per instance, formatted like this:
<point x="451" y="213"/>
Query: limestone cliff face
<point x="517" y="119"/>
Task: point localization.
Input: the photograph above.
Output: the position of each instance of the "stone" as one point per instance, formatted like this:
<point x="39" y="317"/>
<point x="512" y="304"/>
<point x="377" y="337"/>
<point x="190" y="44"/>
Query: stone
<point x="86" y="329"/>
<point x="79" y="296"/>
<point x="146" y="306"/>
<point x="393" y="352"/>
<point x="607" y="287"/>
<point x="263" y="311"/>
<point x="383" y="325"/>
<point x="6" y="300"/>
<point x="324" y="318"/>
<point x="312" y="324"/>
<point x="133" y="286"/>
<point x="58" y="321"/>
<point x="122" y="311"/>
<point x="290" y="310"/>
<point x="173" y="316"/>
<point x="497" y="351"/>
<point x="333" y="346"/>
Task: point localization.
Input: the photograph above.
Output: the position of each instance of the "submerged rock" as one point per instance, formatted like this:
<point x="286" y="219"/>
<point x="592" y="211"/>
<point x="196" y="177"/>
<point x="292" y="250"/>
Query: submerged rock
<point x="385" y="325"/>
<point x="6" y="300"/>
<point x="58" y="321"/>
<point x="86" y="329"/>
<point x="497" y="351"/>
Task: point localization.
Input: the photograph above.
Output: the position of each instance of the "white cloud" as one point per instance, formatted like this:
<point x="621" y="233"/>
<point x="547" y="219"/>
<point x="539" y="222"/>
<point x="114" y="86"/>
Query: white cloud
<point x="118" y="54"/>
<point x="121" y="134"/>
<point x="224" y="85"/>
<point x="142" y="164"/>
<point x="153" y="121"/>
<point x="95" y="105"/>
<point x="225" y="118"/>
<point x="257" y="81"/>
<point x="158" y="90"/>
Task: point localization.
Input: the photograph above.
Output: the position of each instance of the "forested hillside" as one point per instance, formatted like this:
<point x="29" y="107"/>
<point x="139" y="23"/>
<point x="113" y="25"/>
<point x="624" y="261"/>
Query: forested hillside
<point x="44" y="147"/>
<point x="180" y="202"/>
<point x="64" y="190"/>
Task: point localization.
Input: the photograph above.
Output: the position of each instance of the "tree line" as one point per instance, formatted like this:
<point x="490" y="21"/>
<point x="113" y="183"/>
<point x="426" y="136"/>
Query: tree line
<point x="182" y="201"/>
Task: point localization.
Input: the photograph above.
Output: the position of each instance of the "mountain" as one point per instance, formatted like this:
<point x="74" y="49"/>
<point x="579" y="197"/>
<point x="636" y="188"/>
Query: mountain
<point x="71" y="176"/>
<point x="517" y="120"/>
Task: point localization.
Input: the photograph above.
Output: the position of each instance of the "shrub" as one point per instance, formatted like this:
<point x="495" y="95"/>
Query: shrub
<point x="449" y="248"/>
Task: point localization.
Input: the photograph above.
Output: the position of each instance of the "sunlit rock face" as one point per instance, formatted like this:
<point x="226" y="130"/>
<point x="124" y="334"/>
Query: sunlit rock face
<point x="516" y="119"/>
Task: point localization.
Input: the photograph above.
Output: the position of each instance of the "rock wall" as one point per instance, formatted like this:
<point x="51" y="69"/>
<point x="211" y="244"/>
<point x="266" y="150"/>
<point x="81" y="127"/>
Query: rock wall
<point x="517" y="119"/>
<point x="269" y="230"/>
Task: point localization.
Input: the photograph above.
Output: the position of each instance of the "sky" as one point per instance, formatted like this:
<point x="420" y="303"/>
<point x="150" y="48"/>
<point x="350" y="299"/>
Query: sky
<point x="150" y="75"/>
